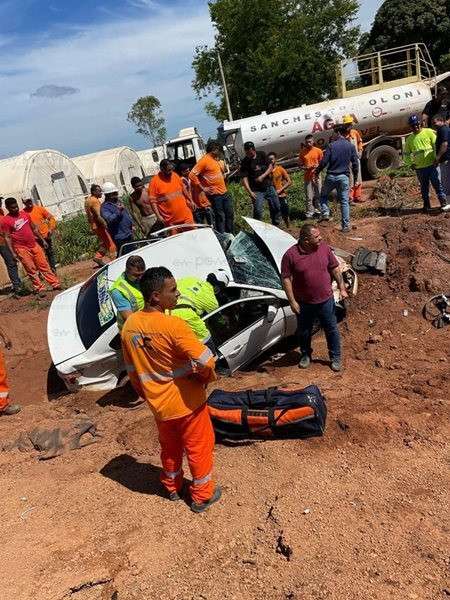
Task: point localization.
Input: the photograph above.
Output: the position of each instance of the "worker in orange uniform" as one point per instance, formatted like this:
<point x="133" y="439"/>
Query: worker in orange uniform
<point x="46" y="224"/>
<point x="281" y="181"/>
<point x="208" y="175"/>
<point x="168" y="198"/>
<point x="21" y="236"/>
<point x="203" y="212"/>
<point x="6" y="408"/>
<point x="353" y="136"/>
<point x="308" y="160"/>
<point x="98" y="226"/>
<point x="170" y="368"/>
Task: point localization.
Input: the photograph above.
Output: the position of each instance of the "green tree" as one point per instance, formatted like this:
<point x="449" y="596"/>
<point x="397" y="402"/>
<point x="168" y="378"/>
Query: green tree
<point x="276" y="55"/>
<point x="398" y="23"/>
<point x="146" y="114"/>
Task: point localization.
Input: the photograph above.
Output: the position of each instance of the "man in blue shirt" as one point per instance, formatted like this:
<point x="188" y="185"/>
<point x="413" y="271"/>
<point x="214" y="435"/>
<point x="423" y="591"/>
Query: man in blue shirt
<point x="126" y="292"/>
<point x="118" y="220"/>
<point x="443" y="154"/>
<point x="340" y="155"/>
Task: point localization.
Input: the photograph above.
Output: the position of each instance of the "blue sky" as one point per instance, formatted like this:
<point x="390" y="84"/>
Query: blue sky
<point x="70" y="70"/>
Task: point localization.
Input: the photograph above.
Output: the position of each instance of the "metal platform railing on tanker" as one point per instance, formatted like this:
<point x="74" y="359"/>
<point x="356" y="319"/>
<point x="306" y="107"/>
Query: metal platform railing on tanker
<point x="384" y="69"/>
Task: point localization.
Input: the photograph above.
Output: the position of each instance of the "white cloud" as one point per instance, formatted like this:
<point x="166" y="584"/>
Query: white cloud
<point x="111" y="64"/>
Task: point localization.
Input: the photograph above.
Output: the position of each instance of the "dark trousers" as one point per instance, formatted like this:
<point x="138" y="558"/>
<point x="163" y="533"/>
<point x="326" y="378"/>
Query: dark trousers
<point x="50" y="253"/>
<point x="428" y="175"/>
<point x="222" y="206"/>
<point x="122" y="242"/>
<point x="204" y="214"/>
<point x="274" y="205"/>
<point x="326" y="315"/>
<point x="11" y="266"/>
<point x="284" y="206"/>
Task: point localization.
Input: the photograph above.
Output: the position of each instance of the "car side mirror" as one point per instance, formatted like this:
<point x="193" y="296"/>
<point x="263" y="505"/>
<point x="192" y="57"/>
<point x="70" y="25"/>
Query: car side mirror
<point x="271" y="313"/>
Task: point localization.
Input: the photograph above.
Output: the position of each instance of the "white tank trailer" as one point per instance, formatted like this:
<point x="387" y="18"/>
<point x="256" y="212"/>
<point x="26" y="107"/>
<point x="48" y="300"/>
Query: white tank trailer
<point x="380" y="111"/>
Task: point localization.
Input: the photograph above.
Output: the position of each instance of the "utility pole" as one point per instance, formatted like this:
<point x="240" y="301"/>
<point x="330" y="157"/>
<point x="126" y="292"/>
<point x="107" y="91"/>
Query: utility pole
<point x="225" y="89"/>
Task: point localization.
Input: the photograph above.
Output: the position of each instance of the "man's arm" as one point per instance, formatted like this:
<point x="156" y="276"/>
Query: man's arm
<point x="121" y="303"/>
<point x="199" y="355"/>
<point x="37" y="234"/>
<point x="194" y="176"/>
<point x="441" y="151"/>
<point x="324" y="161"/>
<point x="100" y="220"/>
<point x="131" y="370"/>
<point x="247" y="187"/>
<point x="287" y="286"/>
<point x="110" y="217"/>
<point x="10" y="245"/>
<point x="355" y="163"/>
<point x="287" y="180"/>
<point x="337" y="276"/>
<point x="51" y="221"/>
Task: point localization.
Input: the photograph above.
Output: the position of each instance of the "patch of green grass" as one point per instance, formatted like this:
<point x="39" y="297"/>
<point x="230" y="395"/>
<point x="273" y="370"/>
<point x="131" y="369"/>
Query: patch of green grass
<point x="73" y="239"/>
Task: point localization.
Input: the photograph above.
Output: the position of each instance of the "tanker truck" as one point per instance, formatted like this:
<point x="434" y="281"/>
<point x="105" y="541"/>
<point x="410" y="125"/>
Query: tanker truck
<point x="380" y="90"/>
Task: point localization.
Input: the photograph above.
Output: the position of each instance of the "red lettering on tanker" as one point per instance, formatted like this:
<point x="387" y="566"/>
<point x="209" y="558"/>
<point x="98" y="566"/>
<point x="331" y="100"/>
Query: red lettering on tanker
<point x="316" y="127"/>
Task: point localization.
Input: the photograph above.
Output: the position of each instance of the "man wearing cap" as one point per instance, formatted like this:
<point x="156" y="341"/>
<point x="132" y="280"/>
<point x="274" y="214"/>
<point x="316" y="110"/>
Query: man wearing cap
<point x="353" y="136"/>
<point x="117" y="218"/>
<point x="420" y="152"/>
<point x="339" y="158"/>
<point x="256" y="173"/>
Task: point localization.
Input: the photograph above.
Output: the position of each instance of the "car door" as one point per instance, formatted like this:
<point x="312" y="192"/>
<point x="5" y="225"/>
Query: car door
<point x="242" y="329"/>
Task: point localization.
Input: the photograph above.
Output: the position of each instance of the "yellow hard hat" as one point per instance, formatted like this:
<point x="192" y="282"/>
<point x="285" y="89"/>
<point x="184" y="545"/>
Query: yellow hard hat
<point x="347" y="120"/>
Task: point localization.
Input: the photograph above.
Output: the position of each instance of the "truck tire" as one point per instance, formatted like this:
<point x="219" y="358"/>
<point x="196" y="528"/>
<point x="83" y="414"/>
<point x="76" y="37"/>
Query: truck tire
<point x="381" y="159"/>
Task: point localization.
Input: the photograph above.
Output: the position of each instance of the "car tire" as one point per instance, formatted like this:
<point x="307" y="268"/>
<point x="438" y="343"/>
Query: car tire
<point x="381" y="159"/>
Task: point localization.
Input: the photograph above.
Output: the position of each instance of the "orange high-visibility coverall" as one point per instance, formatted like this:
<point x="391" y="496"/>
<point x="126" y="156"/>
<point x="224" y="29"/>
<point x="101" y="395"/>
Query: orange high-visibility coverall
<point x="170" y="368"/>
<point x="356" y="186"/>
<point x="4" y="388"/>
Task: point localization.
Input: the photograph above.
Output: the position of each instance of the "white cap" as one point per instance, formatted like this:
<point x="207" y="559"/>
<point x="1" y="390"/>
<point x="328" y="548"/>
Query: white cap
<point x="219" y="277"/>
<point x="109" y="188"/>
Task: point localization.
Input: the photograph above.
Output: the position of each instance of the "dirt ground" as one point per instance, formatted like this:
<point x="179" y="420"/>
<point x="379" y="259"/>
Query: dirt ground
<point x="359" y="514"/>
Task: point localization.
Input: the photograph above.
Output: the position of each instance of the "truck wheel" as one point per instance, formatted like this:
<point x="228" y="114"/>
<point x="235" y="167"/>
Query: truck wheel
<point x="381" y="159"/>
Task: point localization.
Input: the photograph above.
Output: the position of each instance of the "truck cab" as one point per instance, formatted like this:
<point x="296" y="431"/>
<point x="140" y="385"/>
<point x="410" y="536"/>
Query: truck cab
<point x="187" y="148"/>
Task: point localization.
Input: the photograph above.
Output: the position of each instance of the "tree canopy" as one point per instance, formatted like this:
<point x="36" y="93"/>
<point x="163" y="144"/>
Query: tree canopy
<point x="398" y="23"/>
<point x="276" y="55"/>
<point x="146" y="114"/>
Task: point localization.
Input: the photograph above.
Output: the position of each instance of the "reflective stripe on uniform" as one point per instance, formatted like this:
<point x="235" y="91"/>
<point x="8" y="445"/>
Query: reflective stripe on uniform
<point x="167" y="375"/>
<point x="205" y="357"/>
<point x="4" y="394"/>
<point x="204" y="479"/>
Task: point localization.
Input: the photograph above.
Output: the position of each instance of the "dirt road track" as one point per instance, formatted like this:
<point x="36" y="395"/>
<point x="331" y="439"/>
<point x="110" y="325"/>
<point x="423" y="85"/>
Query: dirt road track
<point x="359" y="514"/>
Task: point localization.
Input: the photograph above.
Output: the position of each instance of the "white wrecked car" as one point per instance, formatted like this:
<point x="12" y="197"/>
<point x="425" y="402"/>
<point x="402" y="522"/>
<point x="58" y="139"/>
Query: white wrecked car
<point x="82" y="333"/>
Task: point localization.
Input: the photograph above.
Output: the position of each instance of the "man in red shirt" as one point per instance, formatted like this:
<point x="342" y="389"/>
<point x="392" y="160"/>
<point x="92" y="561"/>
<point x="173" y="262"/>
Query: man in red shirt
<point x="307" y="270"/>
<point x="21" y="236"/>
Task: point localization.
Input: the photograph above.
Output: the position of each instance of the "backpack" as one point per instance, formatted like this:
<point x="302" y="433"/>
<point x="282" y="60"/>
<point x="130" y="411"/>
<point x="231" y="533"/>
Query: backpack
<point x="271" y="413"/>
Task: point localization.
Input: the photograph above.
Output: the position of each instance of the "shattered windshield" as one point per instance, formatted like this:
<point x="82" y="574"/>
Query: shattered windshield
<point x="251" y="263"/>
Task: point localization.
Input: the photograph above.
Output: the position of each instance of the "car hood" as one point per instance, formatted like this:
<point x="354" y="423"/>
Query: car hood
<point x="275" y="239"/>
<point x="64" y="341"/>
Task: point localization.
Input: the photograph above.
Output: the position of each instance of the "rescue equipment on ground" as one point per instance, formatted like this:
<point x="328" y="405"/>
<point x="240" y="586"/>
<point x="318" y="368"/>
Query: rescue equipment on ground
<point x="271" y="413"/>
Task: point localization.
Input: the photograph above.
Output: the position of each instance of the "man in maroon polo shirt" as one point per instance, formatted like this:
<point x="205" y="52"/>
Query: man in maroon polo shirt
<point x="307" y="270"/>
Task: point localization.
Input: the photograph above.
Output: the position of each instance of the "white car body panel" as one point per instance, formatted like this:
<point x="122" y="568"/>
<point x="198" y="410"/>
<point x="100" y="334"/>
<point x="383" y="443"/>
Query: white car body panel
<point x="196" y="251"/>
<point x="246" y="345"/>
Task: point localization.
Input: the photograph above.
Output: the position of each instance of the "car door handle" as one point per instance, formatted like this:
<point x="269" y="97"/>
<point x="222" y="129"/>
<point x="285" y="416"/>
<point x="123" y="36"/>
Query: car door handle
<point x="235" y="351"/>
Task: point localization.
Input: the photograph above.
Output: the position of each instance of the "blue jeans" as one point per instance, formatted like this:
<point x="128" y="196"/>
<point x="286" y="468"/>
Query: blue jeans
<point x="204" y="214"/>
<point x="340" y="183"/>
<point x="222" y="206"/>
<point x="325" y="313"/>
<point x="428" y="175"/>
<point x="271" y="196"/>
<point x="11" y="266"/>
